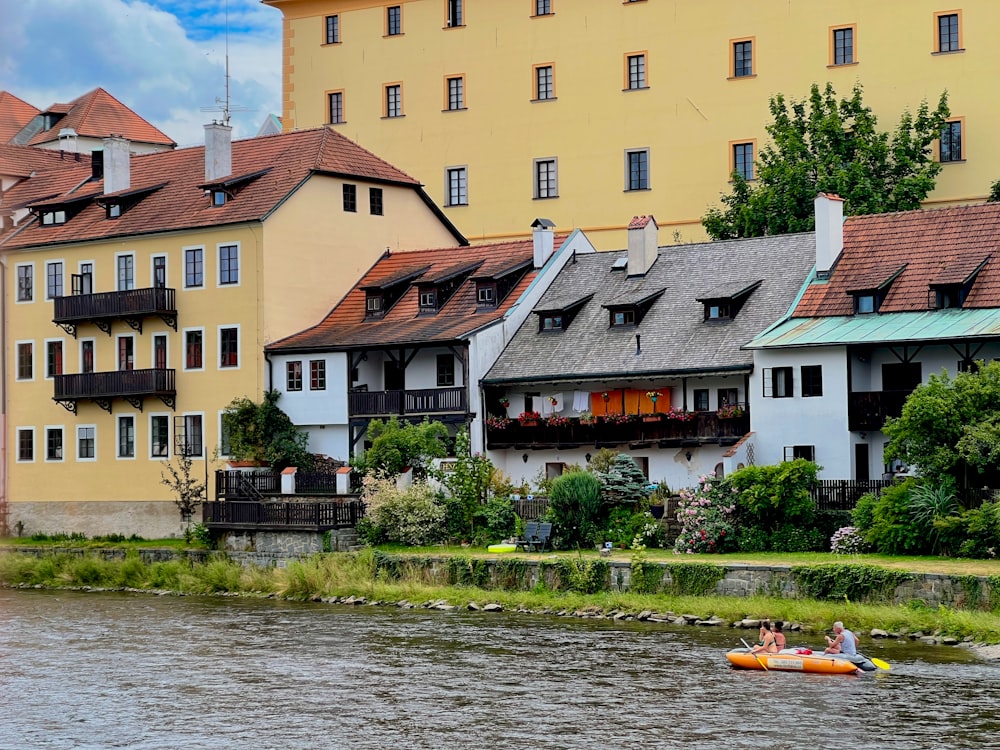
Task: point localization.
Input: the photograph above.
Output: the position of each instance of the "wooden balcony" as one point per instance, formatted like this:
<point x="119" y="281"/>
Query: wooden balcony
<point x="868" y="410"/>
<point x="102" y="388"/>
<point x="429" y="401"/>
<point x="104" y="308"/>
<point x="255" y="515"/>
<point x="705" y="428"/>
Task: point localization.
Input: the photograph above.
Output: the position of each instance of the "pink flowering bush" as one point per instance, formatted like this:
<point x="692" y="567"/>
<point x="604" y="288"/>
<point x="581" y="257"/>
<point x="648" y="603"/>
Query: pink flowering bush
<point x="704" y="514"/>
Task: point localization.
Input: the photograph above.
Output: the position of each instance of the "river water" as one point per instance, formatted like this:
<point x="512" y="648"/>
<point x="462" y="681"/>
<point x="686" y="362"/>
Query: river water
<point x="102" y="670"/>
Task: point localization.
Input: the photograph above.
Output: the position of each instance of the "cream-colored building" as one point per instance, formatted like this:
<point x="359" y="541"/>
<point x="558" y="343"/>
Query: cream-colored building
<point x="139" y="303"/>
<point x="603" y="109"/>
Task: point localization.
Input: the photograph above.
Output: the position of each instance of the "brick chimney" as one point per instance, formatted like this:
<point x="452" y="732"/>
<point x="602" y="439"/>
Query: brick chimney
<point x="642" y="244"/>
<point x="117" y="165"/>
<point x="544" y="240"/>
<point x="829" y="232"/>
<point x="218" y="151"/>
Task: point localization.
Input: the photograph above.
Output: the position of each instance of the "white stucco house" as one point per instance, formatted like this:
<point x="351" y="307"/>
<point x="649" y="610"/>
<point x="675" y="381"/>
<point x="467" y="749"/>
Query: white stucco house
<point x="894" y="298"/>
<point x="413" y="338"/>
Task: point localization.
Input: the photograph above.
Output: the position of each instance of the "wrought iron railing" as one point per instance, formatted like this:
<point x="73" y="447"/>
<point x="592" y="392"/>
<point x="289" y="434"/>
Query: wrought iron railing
<point x="116" y="384"/>
<point x="129" y="303"/>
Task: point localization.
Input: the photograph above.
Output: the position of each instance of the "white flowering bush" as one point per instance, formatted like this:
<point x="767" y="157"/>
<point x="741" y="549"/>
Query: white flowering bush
<point x="847" y="540"/>
<point x="705" y="514"/>
<point x="414" y="515"/>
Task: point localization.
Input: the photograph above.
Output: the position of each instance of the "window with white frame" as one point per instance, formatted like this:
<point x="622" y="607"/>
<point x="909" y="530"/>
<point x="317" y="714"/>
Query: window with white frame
<point x="317" y="375"/>
<point x="293" y="375"/>
<point x="159" y="436"/>
<point x="25" y="283"/>
<point x="229" y="347"/>
<point x="229" y="265"/>
<point x="54" y="279"/>
<point x="126" y="272"/>
<point x="194" y="268"/>
<point x="25" y="444"/>
<point x="126" y="436"/>
<point x="53" y="443"/>
<point x="53" y="358"/>
<point x="25" y="360"/>
<point x="86" y="442"/>
<point x="457" y="187"/>
<point x="637" y="169"/>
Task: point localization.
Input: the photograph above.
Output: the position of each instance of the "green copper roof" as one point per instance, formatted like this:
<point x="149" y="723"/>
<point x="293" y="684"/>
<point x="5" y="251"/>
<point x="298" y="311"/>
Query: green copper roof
<point x="890" y="328"/>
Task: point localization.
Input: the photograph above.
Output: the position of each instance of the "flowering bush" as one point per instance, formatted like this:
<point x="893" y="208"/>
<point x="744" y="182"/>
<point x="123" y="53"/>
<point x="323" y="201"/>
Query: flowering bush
<point x="412" y="516"/>
<point x="704" y="514"/>
<point x="847" y="540"/>
<point x="619" y="418"/>
<point x="680" y="415"/>
<point x="528" y="416"/>
<point x="498" y="423"/>
<point x="556" y="420"/>
<point x="730" y="411"/>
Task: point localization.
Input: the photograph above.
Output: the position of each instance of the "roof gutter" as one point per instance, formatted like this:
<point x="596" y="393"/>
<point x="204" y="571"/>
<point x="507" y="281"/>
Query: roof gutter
<point x="619" y="375"/>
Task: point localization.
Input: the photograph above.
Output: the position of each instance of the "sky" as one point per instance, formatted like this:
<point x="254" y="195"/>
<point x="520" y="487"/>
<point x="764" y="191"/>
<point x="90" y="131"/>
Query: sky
<point x="164" y="59"/>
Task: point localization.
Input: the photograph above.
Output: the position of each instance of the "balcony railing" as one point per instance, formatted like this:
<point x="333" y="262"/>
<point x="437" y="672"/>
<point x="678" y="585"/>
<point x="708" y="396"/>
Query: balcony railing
<point x="104" y="387"/>
<point x="426" y="401"/>
<point x="250" y="514"/>
<point x="103" y="308"/>
<point x="868" y="410"/>
<point x="705" y="427"/>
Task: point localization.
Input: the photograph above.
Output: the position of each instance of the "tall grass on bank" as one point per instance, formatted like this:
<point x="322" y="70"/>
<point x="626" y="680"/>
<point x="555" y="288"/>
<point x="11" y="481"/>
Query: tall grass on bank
<point x="356" y="574"/>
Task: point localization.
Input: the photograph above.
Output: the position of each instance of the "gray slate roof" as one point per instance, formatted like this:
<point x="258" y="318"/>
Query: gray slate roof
<point x="675" y="338"/>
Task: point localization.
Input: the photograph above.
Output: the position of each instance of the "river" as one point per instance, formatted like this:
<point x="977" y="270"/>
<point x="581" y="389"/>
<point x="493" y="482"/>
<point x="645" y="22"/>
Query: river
<point x="104" y="670"/>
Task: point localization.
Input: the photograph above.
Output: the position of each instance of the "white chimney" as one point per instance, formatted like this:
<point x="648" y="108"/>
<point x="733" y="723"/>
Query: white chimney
<point x="642" y="244"/>
<point x="67" y="140"/>
<point x="218" y="151"/>
<point x="829" y="232"/>
<point x="117" y="167"/>
<point x="544" y="240"/>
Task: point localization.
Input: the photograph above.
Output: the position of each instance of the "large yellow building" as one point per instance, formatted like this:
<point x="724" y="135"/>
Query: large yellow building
<point x="139" y="301"/>
<point x="591" y="111"/>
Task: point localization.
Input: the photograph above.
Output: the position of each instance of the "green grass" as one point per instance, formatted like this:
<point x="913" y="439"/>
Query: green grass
<point x="57" y="541"/>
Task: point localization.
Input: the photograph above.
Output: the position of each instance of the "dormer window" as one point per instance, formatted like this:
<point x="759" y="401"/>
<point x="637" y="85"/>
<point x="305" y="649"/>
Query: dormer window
<point x="114" y="210"/>
<point x="950" y="288"/>
<point x="116" y="204"/>
<point x="381" y="295"/>
<point x="627" y="310"/>
<point x="437" y="289"/>
<point x="493" y="288"/>
<point x="222" y="191"/>
<point x="53" y="217"/>
<point x="552" y="323"/>
<point x="486" y="294"/>
<point x="373" y="306"/>
<point x="219" y="197"/>
<point x="428" y="300"/>
<point x="623" y="317"/>
<point x="869" y="298"/>
<point x="558" y="315"/>
<point x="864" y="303"/>
<point x="725" y="301"/>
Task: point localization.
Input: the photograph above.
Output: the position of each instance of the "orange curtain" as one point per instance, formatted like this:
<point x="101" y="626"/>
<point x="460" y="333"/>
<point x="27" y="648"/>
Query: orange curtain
<point x="613" y="405"/>
<point x="628" y="401"/>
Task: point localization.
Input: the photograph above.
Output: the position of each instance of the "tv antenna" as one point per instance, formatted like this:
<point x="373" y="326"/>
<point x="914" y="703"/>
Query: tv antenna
<point x="223" y="105"/>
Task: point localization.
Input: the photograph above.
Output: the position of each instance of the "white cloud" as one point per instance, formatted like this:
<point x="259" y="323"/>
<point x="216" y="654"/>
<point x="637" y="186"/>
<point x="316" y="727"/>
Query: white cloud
<point x="165" y="59"/>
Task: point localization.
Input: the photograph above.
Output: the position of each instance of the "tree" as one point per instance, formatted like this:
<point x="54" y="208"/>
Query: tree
<point x="994" y="196"/>
<point x="950" y="427"/>
<point x="821" y="144"/>
<point x="188" y="491"/>
<point x="264" y="433"/>
<point x="624" y="483"/>
<point x="468" y="484"/>
<point x="396" y="446"/>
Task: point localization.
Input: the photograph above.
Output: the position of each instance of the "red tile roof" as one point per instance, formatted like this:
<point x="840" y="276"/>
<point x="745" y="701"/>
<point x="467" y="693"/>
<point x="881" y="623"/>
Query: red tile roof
<point x="346" y="327"/>
<point x="23" y="161"/>
<point x="288" y="159"/>
<point x="97" y="114"/>
<point x="638" y="222"/>
<point x="937" y="246"/>
<point x="14" y="115"/>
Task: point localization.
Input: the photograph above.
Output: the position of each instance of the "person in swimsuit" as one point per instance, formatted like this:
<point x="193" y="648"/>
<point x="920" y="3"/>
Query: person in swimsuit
<point x="766" y="644"/>
<point x="779" y="637"/>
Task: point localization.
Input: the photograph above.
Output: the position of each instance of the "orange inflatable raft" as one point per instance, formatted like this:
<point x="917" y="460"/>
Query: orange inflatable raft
<point x="790" y="660"/>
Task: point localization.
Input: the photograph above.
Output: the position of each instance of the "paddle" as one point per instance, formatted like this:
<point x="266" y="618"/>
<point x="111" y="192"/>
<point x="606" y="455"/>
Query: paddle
<point x="756" y="656"/>
<point x="879" y="663"/>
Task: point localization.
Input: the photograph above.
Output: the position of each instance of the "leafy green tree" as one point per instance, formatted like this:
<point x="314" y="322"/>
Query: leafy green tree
<point x="994" y="196"/>
<point x="822" y="144"/>
<point x="950" y="427"/>
<point x="397" y="445"/>
<point x="468" y="485"/>
<point x="263" y="432"/>
<point x="770" y="496"/>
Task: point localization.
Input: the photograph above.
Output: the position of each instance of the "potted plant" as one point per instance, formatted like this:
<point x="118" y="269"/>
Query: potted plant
<point x="529" y="418"/>
<point x="504" y="402"/>
<point x="262" y="434"/>
<point x="498" y="423"/>
<point x="556" y="420"/>
<point x="655" y="416"/>
<point x="587" y="417"/>
<point x="730" y="411"/>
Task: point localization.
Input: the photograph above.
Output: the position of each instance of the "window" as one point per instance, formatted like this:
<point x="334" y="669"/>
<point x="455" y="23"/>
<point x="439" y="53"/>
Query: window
<point x="53" y="358"/>
<point x="544" y="82"/>
<point x="219" y="197"/>
<point x="742" y="160"/>
<point x="486" y="295"/>
<point x="951" y="141"/>
<point x="335" y="107"/>
<point x="807" y="452"/>
<point x="193" y="440"/>
<point x="159" y="271"/>
<point x="457" y="187"/>
<point x="87" y="355"/>
<point x="394" y="100"/>
<point x="225" y="442"/>
<point x="159" y="436"/>
<point x="551" y="322"/>
<point x="554" y="469"/>
<point x="351" y="198"/>
<point x="864" y="303"/>
<point x="194" y="345"/>
<point x="445" y="370"/>
<point x="126" y="353"/>
<point x="456" y="93"/>
<point x="635" y="72"/>
<point x="373" y="305"/>
<point x="229" y="264"/>
<point x="637" y="170"/>
<point x="393" y="20"/>
<point x="719" y="311"/>
<point x="622" y="318"/>
<point x="543" y="7"/>
<point x="375" y="201"/>
<point x="83" y="282"/>
<point x="317" y="375"/>
<point x="333" y="29"/>
<point x="812" y="380"/>
<point x="742" y="60"/>
<point x="293" y="375"/>
<point x="728" y="397"/>
<point x="949" y="32"/>
<point x="25" y="283"/>
<point x="701" y="399"/>
<point x="546" y="183"/>
<point x="86" y="442"/>
<point x="229" y="347"/>
<point x="25" y="360"/>
<point x="126" y="436"/>
<point x="53" y="280"/>
<point x="428" y="300"/>
<point x="126" y="272"/>
<point x="53" y="444"/>
<point x="114" y="210"/>
<point x="842" y="46"/>
<point x="453" y="10"/>
<point x="53" y="217"/>
<point x="26" y="444"/>
<point x="194" y="267"/>
<point x="778" y="382"/>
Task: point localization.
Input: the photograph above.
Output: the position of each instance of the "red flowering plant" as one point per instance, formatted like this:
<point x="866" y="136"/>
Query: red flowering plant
<point x="704" y="514"/>
<point x="556" y="420"/>
<point x="498" y="423"/>
<point x="619" y="418"/>
<point x="680" y="415"/>
<point x="528" y="416"/>
<point x="729" y="411"/>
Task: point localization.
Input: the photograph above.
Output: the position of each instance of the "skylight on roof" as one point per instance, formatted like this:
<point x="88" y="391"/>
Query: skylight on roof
<point x="620" y="265"/>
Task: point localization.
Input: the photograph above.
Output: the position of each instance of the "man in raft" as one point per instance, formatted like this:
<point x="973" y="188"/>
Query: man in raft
<point x="844" y="642"/>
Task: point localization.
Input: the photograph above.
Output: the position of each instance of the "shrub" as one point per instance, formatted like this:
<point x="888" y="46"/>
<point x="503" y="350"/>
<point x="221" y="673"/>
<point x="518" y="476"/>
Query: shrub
<point x="768" y="496"/>
<point x="575" y="507"/>
<point x="411" y="516"/>
<point x="496" y="520"/>
<point x="975" y="533"/>
<point x="752" y="539"/>
<point x="794" y="538"/>
<point x="624" y="483"/>
<point x="704" y="514"/>
<point x="624" y="526"/>
<point x="848" y="582"/>
<point x="894" y="530"/>
<point x="847" y="540"/>
<point x="930" y="502"/>
<point x="863" y="514"/>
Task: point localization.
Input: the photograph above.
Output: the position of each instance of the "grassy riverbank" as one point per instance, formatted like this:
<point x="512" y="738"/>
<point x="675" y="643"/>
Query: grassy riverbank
<point x="325" y="577"/>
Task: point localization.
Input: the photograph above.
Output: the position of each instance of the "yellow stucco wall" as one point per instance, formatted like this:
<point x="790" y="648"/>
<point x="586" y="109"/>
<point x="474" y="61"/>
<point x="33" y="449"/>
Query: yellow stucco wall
<point x="687" y="118"/>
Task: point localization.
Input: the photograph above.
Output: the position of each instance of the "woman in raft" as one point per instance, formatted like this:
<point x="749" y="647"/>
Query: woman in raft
<point x="767" y="643"/>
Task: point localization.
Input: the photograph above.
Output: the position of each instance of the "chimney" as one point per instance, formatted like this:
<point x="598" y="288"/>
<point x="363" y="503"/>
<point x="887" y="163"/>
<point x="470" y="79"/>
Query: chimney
<point x="829" y="232"/>
<point x="544" y="240"/>
<point x="117" y="168"/>
<point x="642" y="244"/>
<point x="218" y="151"/>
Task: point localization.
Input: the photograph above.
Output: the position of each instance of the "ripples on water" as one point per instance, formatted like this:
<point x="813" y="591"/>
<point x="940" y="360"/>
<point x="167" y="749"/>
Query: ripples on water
<point x="114" y="671"/>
